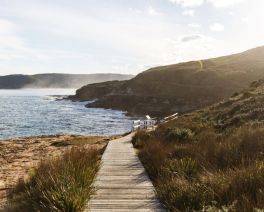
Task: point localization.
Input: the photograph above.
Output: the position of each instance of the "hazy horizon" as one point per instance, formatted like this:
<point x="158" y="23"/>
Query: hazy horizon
<point x="64" y="73"/>
<point x="88" y="37"/>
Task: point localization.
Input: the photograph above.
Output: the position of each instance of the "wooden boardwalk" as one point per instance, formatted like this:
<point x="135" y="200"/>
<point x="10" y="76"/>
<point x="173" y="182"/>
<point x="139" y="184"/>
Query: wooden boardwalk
<point x="122" y="183"/>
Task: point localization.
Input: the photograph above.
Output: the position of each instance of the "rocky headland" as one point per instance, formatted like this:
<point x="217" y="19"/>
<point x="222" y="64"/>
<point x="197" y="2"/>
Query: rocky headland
<point x="177" y="88"/>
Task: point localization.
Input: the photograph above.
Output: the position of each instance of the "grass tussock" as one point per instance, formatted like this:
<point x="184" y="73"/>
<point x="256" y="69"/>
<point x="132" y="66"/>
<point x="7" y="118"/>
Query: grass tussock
<point x="58" y="184"/>
<point x="205" y="170"/>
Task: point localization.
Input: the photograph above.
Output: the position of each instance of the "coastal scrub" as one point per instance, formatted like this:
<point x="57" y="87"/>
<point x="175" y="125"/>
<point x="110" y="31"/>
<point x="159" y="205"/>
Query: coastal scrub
<point x="58" y="184"/>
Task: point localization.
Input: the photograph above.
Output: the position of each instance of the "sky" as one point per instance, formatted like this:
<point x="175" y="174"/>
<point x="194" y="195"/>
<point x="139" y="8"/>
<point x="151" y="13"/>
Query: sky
<point x="122" y="36"/>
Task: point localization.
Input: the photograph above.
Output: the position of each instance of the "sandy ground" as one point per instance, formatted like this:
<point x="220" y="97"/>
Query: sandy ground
<point x="19" y="156"/>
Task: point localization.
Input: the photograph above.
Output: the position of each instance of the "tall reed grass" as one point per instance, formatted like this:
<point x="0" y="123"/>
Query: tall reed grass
<point x="58" y="184"/>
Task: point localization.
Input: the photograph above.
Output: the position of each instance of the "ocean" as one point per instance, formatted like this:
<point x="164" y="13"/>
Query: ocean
<point x="34" y="112"/>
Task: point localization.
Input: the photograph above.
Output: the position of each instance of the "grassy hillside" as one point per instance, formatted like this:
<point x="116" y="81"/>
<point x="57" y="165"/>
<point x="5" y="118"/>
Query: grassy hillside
<point x="211" y="159"/>
<point x="181" y="87"/>
<point x="56" y="80"/>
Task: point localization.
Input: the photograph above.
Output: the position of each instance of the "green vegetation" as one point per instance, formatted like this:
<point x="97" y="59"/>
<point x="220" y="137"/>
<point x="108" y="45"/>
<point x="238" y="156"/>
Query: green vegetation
<point x="210" y="159"/>
<point x="58" y="184"/>
<point x="178" y="88"/>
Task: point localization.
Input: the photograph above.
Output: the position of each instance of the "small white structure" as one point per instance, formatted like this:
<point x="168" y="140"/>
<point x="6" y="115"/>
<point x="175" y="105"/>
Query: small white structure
<point x="170" y="118"/>
<point x="136" y="125"/>
<point x="147" y="123"/>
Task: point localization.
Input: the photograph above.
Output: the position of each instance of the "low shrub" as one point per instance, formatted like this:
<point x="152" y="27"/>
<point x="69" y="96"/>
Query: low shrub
<point x="140" y="138"/>
<point x="242" y="188"/>
<point x="180" y="195"/>
<point x="153" y="156"/>
<point x="58" y="184"/>
<point x="179" y="134"/>
<point x="185" y="167"/>
<point x="216" y="171"/>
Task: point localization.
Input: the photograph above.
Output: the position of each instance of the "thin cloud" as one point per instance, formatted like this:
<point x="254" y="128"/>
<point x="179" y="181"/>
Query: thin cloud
<point x="153" y="12"/>
<point x="9" y="38"/>
<point x="245" y="20"/>
<point x="224" y="3"/>
<point x="217" y="27"/>
<point x="6" y="26"/>
<point x="190" y="38"/>
<point x="194" y="25"/>
<point x="215" y="3"/>
<point x="202" y="46"/>
<point x="188" y="3"/>
<point x="49" y="35"/>
<point x="137" y="11"/>
<point x="188" y="12"/>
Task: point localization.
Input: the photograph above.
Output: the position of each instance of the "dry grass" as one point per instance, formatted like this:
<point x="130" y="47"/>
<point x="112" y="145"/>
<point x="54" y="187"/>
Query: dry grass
<point x="206" y="170"/>
<point x="83" y="140"/>
<point x="58" y="184"/>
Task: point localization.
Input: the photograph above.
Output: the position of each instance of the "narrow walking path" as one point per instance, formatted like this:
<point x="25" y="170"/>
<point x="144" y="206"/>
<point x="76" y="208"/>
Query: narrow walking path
<point x="122" y="183"/>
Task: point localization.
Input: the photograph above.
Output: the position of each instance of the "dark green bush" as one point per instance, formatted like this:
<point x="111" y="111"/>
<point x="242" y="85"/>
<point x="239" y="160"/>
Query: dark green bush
<point x="180" y="134"/>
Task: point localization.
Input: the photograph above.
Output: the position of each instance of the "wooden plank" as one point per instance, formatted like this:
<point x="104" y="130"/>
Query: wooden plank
<point x="122" y="183"/>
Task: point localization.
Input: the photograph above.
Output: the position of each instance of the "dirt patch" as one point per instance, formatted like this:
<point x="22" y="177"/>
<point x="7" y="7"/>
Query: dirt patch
<point x="18" y="157"/>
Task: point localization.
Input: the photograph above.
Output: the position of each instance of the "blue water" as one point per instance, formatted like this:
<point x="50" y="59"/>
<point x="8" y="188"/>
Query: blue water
<point x="31" y="112"/>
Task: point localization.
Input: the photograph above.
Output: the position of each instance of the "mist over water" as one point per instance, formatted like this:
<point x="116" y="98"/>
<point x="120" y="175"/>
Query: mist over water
<point x="33" y="112"/>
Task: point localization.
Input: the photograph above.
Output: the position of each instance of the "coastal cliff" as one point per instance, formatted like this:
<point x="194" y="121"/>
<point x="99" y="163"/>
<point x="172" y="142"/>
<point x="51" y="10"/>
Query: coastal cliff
<point x="177" y="88"/>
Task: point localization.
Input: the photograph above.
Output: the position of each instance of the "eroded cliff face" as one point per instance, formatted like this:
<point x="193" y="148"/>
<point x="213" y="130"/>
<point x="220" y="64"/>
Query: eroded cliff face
<point x="116" y="95"/>
<point x="97" y="90"/>
<point x="142" y="105"/>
